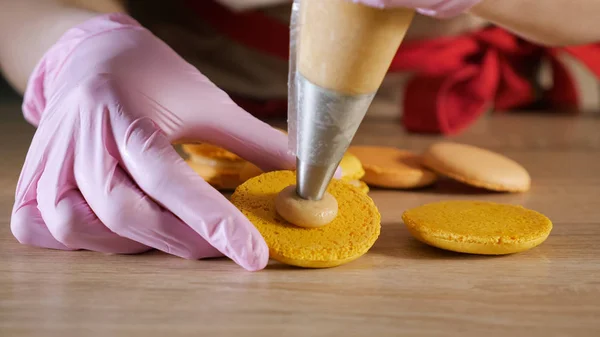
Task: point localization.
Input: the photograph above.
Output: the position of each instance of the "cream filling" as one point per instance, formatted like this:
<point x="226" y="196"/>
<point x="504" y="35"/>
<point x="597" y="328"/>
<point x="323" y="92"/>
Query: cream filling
<point x="305" y="213"/>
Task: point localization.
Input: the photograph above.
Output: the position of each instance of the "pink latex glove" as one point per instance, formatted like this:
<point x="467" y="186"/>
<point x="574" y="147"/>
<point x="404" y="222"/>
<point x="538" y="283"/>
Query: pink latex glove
<point x="436" y="8"/>
<point x="101" y="174"/>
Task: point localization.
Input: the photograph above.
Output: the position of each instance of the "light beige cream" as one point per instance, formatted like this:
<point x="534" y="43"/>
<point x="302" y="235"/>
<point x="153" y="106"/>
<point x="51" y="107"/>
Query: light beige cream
<point x="305" y="213"/>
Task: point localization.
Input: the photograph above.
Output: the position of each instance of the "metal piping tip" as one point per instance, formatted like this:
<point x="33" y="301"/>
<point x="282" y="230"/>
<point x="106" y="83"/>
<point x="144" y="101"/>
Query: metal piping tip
<point x="327" y="123"/>
<point x="313" y="180"/>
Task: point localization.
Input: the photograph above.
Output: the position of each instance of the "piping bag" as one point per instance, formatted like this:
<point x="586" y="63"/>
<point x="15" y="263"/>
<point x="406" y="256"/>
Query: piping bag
<point x="340" y="52"/>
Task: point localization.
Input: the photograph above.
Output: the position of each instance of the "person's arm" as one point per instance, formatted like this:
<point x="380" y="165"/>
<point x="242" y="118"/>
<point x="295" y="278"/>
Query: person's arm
<point x="30" y="27"/>
<point x="549" y="22"/>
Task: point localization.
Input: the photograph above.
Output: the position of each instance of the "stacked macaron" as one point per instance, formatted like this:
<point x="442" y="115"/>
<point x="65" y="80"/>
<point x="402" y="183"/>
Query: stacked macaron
<point x="219" y="167"/>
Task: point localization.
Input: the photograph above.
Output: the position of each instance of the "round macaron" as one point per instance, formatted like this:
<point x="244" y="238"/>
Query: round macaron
<point x="218" y="166"/>
<point x="349" y="236"/>
<point x="390" y="167"/>
<point x="477" y="227"/>
<point x="477" y="167"/>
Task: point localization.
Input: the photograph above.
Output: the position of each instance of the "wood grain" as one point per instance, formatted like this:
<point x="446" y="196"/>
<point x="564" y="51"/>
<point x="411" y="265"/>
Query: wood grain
<point x="400" y="288"/>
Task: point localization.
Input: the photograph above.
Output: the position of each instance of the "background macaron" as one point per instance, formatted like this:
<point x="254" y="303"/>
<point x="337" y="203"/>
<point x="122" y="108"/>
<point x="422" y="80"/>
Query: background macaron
<point x="477" y="227"/>
<point x="390" y="167"/>
<point x="477" y="167"/>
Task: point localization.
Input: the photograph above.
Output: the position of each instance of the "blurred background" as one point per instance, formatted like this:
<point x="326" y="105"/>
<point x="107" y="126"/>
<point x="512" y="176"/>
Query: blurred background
<point x="7" y="94"/>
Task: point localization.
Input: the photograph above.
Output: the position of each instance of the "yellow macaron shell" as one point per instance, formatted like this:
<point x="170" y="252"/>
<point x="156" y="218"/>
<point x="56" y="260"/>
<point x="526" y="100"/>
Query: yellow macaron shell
<point x="217" y="166"/>
<point x="477" y="167"/>
<point x="361" y="185"/>
<point x="205" y="150"/>
<point x="219" y="178"/>
<point x="352" y="168"/>
<point x="350" y="235"/>
<point x="352" y="172"/>
<point x="477" y="227"/>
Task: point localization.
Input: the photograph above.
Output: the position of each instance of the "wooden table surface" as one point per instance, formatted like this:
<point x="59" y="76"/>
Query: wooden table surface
<point x="400" y="287"/>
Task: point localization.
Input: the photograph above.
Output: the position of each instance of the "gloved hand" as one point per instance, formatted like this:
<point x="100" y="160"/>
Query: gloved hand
<point x="109" y="99"/>
<point x="435" y="8"/>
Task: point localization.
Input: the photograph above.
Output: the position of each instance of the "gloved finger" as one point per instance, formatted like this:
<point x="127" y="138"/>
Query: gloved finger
<point x="256" y="141"/>
<point x="28" y="227"/>
<point x="122" y="207"/>
<point x="64" y="211"/>
<point x="339" y="173"/>
<point x="164" y="176"/>
<point x="209" y="115"/>
<point x="248" y="137"/>
<point x="26" y="223"/>
<point x="216" y="119"/>
<point x="252" y="139"/>
<point x="72" y="222"/>
<point x="399" y="3"/>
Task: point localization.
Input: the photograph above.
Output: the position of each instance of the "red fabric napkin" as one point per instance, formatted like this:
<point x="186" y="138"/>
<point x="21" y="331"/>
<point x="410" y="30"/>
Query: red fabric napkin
<point x="457" y="79"/>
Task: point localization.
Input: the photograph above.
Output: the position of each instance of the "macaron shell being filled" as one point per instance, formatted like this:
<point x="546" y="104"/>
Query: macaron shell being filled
<point x="477" y="227"/>
<point x="389" y="167"/>
<point x="349" y="236"/>
<point x="477" y="167"/>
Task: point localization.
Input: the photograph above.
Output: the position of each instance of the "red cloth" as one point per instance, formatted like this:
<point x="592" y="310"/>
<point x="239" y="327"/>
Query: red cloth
<point x="456" y="78"/>
<point x="459" y="78"/>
